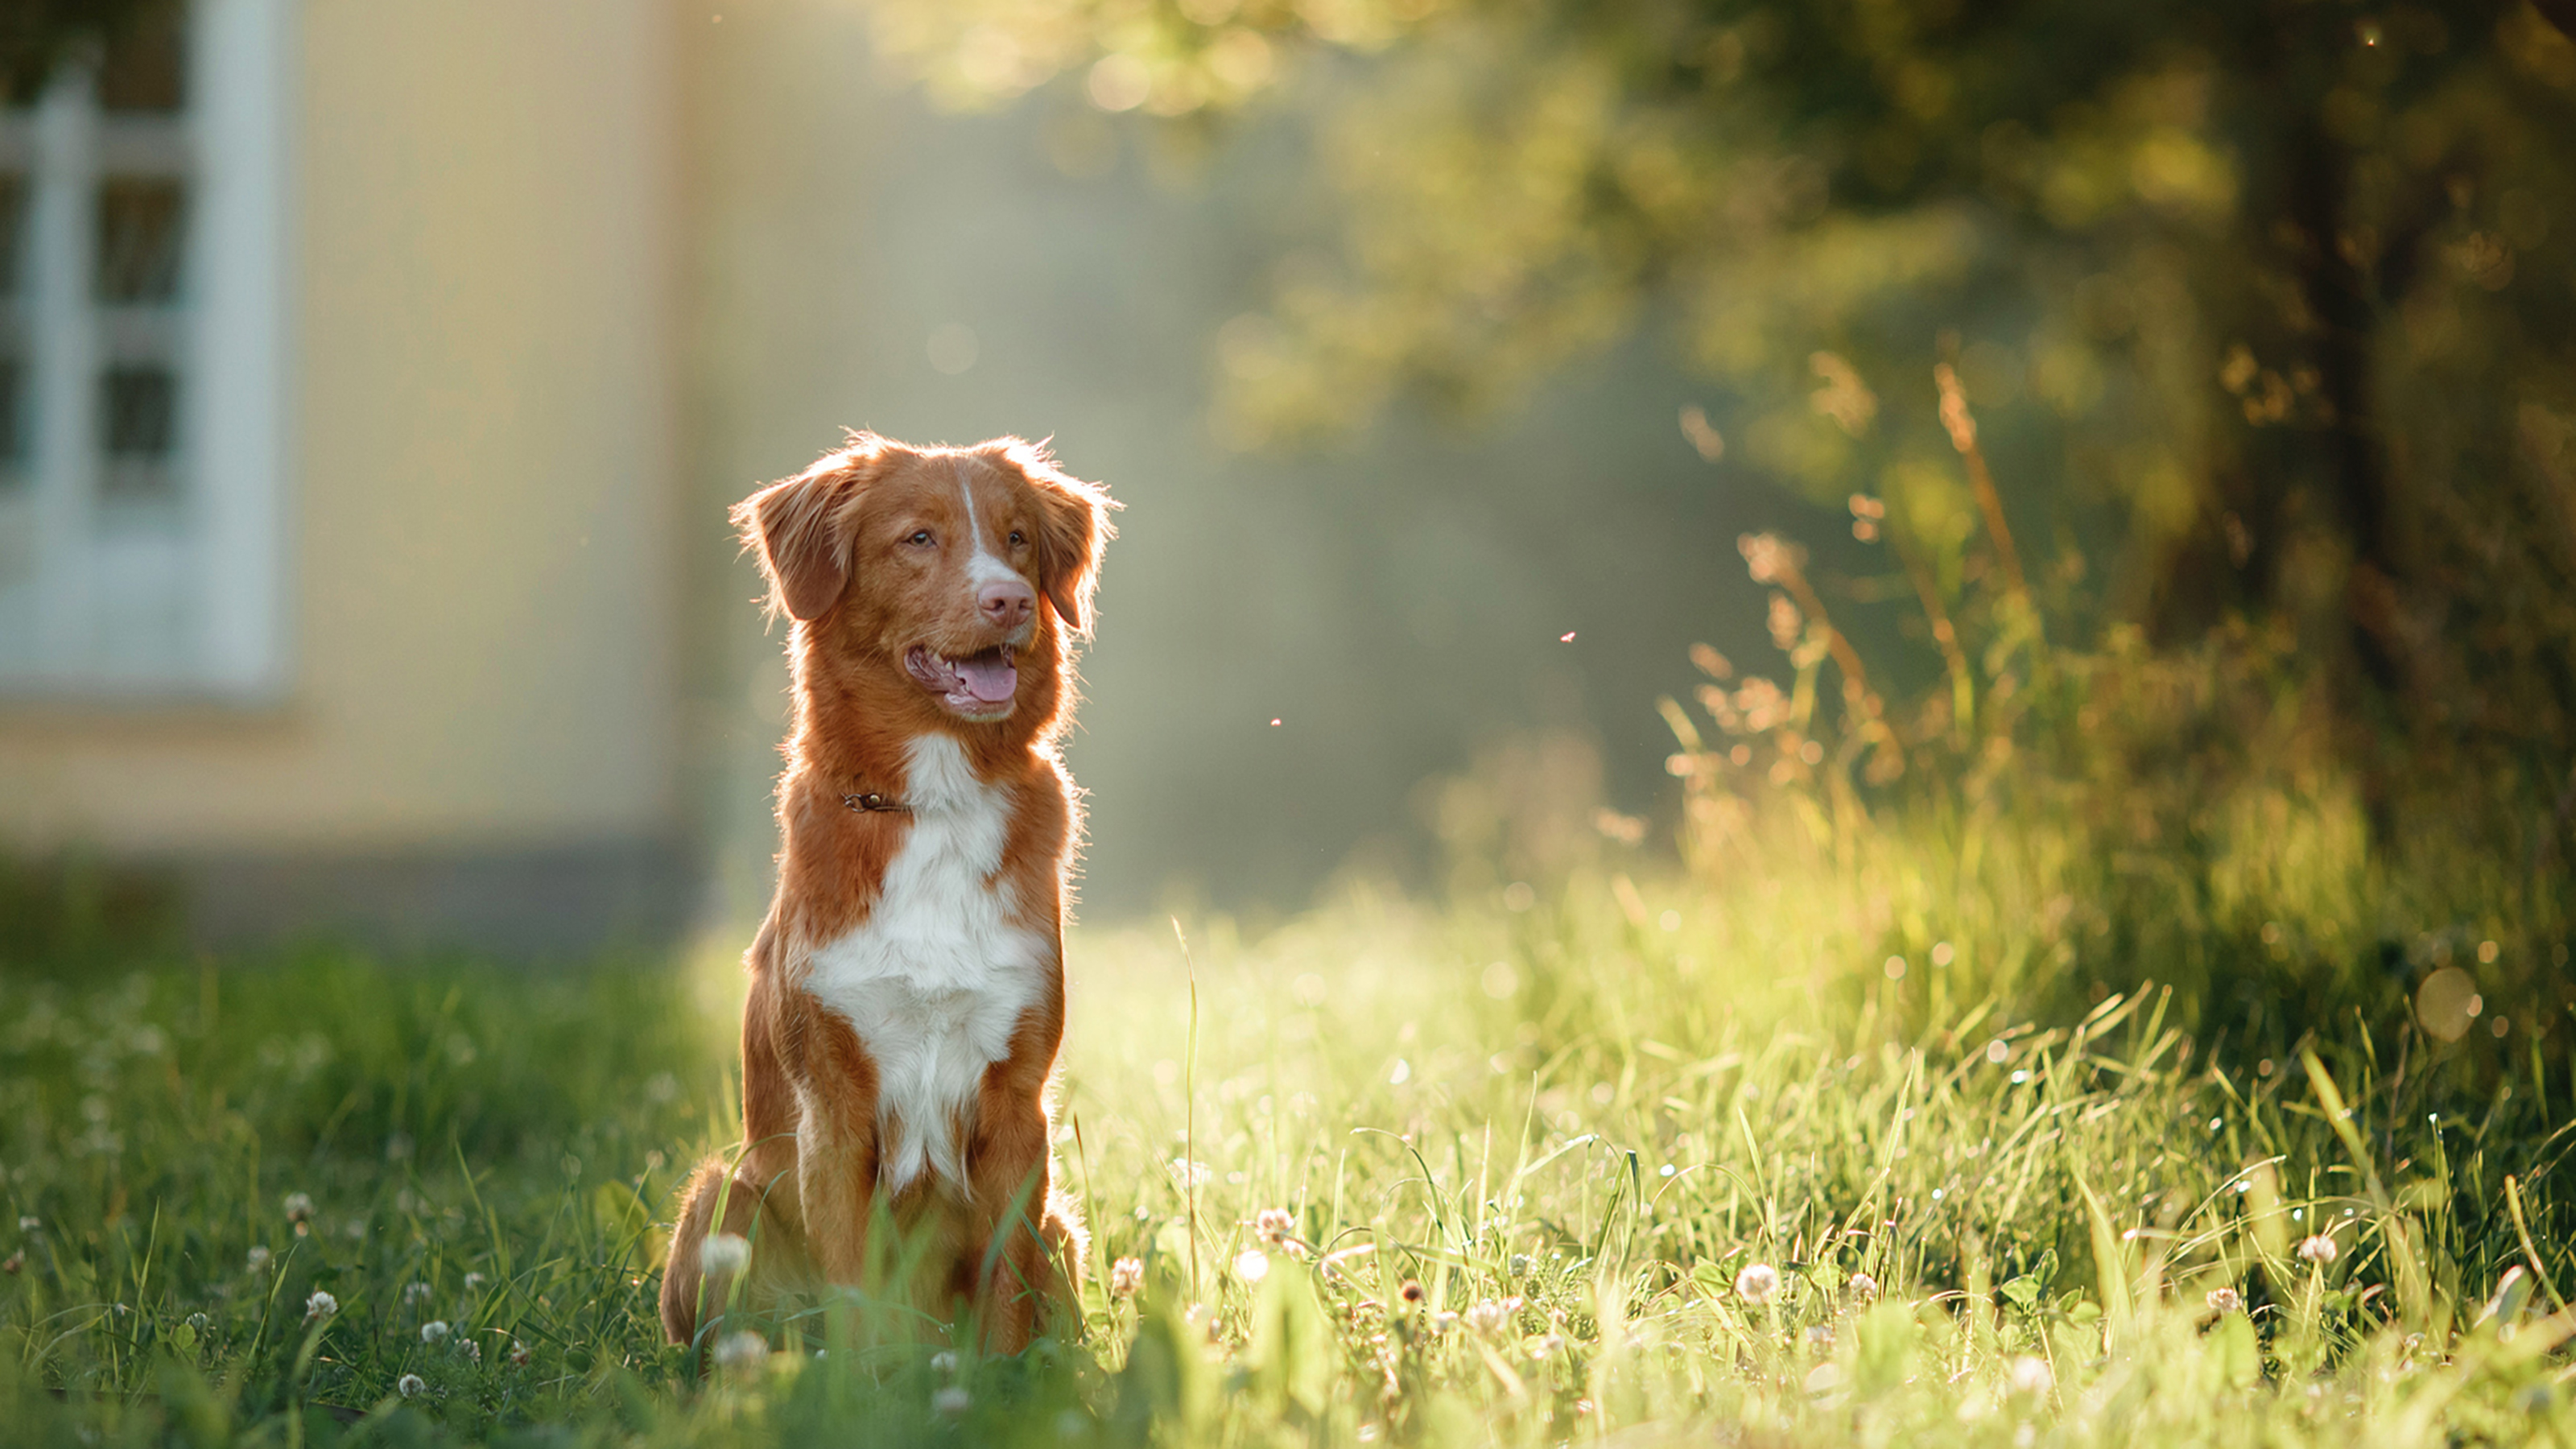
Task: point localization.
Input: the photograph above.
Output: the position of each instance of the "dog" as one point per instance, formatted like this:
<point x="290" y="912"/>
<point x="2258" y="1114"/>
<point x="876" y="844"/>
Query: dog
<point x="907" y="987"/>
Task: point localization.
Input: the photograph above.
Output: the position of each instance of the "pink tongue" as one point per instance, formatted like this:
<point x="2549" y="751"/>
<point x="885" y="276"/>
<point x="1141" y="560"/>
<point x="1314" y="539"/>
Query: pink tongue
<point x="989" y="677"/>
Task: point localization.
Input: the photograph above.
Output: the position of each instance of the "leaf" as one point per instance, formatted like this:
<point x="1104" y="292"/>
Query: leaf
<point x="1887" y="1335"/>
<point x="2240" y="1357"/>
<point x="1291" y="1349"/>
<point x="1160" y="1384"/>
<point x="2110" y="1261"/>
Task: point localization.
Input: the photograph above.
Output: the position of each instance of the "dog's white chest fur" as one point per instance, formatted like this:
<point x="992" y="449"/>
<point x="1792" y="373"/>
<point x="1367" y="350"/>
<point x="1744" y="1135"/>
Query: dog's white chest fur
<point x="937" y="978"/>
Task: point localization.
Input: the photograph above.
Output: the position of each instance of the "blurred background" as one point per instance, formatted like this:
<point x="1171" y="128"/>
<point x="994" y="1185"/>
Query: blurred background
<point x="373" y="380"/>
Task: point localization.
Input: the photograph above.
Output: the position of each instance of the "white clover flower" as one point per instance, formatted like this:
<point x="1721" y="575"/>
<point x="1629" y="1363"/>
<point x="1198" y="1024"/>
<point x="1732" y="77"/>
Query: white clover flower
<point x="433" y="1331"/>
<point x="518" y="1354"/>
<point x="410" y="1384"/>
<point x="415" y="1292"/>
<point x="320" y="1305"/>
<point x="944" y="1361"/>
<point x="299" y="1207"/>
<point x="472" y="1350"/>
<point x="1758" y="1283"/>
<point x="725" y="1253"/>
<point x="741" y="1350"/>
<point x="1863" y="1287"/>
<point x="200" y="1322"/>
<point x="474" y="1281"/>
<point x="1491" y="1319"/>
<point x="1187" y="1174"/>
<point x="2320" y="1249"/>
<point x="255" y="1259"/>
<point x="2028" y="1375"/>
<point x="951" y="1401"/>
<point x="1126" y="1277"/>
<point x="2225" y="1300"/>
<point x="1252" y="1265"/>
<point x="1274" y="1225"/>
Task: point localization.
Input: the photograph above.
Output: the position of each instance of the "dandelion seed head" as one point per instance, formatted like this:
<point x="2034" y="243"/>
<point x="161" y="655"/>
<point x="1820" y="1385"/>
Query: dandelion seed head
<point x="410" y="1385"/>
<point x="434" y="1331"/>
<point x="1252" y="1265"/>
<point x="1758" y="1283"/>
<point x="725" y="1253"/>
<point x="741" y="1350"/>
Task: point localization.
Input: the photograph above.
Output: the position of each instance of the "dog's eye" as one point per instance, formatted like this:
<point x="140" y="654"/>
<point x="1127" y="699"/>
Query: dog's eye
<point x="1018" y="538"/>
<point x="921" y="539"/>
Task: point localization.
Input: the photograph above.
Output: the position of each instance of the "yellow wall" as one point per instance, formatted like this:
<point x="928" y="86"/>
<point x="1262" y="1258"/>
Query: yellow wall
<point x="487" y="589"/>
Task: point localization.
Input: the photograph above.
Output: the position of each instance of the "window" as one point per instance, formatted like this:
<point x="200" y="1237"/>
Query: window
<point x="143" y="426"/>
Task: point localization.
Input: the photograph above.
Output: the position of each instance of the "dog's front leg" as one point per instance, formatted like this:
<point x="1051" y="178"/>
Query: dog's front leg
<point x="1010" y="1165"/>
<point x="836" y="1155"/>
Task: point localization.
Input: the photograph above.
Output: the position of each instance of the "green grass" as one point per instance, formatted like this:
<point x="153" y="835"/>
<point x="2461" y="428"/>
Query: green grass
<point x="1574" y="1126"/>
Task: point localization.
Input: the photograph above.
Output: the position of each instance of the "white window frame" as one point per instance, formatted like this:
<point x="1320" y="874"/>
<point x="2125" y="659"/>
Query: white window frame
<point x="221" y="566"/>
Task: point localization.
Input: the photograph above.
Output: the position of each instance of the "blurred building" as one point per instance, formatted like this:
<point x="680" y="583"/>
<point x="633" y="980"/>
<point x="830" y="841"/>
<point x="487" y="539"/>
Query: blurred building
<point x="337" y="470"/>
<point x="374" y="376"/>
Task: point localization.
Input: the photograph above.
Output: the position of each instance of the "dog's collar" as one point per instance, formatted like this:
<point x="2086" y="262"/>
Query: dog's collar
<point x="871" y="803"/>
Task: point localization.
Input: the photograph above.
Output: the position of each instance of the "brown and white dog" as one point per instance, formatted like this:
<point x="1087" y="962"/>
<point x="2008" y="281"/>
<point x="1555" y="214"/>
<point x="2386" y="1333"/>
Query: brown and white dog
<point x="907" y="989"/>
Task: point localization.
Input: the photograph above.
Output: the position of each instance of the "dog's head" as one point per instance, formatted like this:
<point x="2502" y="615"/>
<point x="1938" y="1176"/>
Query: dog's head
<point x="960" y="569"/>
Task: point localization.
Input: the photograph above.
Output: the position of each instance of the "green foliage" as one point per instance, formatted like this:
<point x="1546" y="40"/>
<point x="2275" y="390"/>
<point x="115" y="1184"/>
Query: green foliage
<point x="2280" y="297"/>
<point x="1623" y="1154"/>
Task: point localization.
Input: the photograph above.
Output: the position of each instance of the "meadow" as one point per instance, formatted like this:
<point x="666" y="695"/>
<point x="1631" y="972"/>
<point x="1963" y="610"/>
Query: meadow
<point x="1983" y="1069"/>
<point x="1621" y="1160"/>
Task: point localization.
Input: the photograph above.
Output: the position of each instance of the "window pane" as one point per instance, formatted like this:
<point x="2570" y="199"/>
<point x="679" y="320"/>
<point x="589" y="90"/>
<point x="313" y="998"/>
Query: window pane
<point x="140" y="225"/>
<point x="13" y="417"/>
<point x="13" y="226"/>
<point x="145" y="68"/>
<point x="138" y="413"/>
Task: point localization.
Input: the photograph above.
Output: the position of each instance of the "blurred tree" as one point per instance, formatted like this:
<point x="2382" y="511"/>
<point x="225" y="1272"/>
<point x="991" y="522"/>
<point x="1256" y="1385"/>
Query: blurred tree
<point x="2288" y="286"/>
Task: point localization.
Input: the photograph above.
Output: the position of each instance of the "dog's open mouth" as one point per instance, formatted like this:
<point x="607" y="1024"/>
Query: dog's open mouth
<point x="979" y="685"/>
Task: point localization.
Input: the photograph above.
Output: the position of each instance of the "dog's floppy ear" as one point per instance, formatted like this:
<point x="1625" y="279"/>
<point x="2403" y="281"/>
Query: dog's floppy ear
<point x="1073" y="524"/>
<point x="801" y="528"/>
